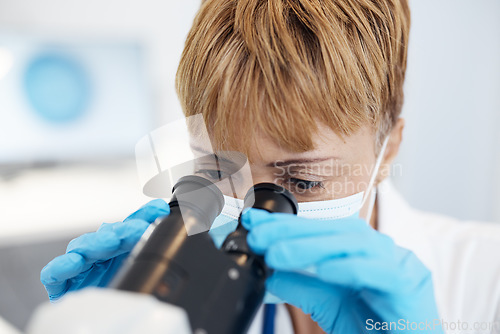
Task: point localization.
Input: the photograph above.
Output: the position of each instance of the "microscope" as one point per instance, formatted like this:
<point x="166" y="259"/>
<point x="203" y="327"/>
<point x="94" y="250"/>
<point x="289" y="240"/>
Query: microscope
<point x="176" y="281"/>
<point x="220" y="289"/>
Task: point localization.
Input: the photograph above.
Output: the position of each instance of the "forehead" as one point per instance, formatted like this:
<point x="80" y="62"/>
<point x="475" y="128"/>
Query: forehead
<point x="327" y="144"/>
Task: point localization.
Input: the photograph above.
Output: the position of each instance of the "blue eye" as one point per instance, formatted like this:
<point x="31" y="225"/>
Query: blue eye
<point x="305" y="184"/>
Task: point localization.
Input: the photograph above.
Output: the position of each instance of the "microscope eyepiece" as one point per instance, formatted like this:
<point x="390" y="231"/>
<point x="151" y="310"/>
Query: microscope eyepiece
<point x="271" y="197"/>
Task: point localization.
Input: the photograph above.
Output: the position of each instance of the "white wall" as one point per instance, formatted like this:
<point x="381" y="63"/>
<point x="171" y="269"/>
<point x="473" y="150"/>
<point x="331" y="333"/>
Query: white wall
<point x="451" y="152"/>
<point x="161" y="25"/>
<point x="71" y="199"/>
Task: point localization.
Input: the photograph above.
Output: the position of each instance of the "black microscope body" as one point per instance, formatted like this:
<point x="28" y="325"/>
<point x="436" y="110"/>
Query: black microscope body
<point x="220" y="289"/>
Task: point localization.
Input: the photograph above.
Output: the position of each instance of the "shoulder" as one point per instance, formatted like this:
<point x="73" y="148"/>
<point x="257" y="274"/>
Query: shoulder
<point x="463" y="256"/>
<point x="396" y="217"/>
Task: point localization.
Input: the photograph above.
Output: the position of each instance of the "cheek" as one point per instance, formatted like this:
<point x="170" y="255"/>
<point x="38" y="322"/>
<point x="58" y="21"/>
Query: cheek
<point x="361" y="173"/>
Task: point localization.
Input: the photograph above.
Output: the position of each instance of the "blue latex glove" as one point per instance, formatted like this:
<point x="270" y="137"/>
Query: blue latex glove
<point x="93" y="258"/>
<point x="343" y="273"/>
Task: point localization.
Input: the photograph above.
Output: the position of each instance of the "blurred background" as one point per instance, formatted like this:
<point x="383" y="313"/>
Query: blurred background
<point x="67" y="165"/>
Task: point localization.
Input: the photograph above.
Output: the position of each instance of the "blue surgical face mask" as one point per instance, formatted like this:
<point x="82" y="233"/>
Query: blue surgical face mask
<point x="334" y="209"/>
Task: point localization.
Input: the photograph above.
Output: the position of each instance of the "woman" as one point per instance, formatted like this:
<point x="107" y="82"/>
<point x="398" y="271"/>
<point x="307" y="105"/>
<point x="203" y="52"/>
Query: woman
<point x="311" y="92"/>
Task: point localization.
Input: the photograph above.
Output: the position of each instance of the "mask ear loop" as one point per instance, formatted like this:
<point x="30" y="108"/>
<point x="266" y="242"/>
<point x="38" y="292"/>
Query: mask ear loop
<point x="372" y="204"/>
<point x="373" y="193"/>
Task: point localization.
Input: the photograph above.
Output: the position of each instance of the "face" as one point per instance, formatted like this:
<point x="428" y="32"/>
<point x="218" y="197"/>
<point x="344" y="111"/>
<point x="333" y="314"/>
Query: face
<point x="338" y="166"/>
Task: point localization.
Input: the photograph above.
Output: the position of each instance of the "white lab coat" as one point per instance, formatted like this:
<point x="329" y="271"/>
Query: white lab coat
<point x="464" y="258"/>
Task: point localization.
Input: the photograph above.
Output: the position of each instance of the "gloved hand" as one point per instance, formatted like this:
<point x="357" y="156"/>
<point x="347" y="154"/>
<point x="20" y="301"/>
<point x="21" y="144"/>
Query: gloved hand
<point x="357" y="278"/>
<point x="93" y="258"/>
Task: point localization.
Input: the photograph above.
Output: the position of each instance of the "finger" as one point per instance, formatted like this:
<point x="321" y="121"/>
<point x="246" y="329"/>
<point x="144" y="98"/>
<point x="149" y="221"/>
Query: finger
<point x="55" y="274"/>
<point x="362" y="273"/>
<point x="151" y="210"/>
<point x="283" y="228"/>
<point x="129" y="232"/>
<point x="113" y="240"/>
<point x="251" y="217"/>
<point x="95" y="246"/>
<point x="335" y="308"/>
<point x="400" y="271"/>
<point x="111" y="268"/>
<point x="308" y="293"/>
<point x="303" y="291"/>
<point x="56" y="292"/>
<point x="106" y="227"/>
<point x="61" y="268"/>
<point x="297" y="254"/>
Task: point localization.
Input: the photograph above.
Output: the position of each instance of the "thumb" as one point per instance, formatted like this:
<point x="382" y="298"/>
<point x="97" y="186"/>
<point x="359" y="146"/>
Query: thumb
<point x="150" y="211"/>
<point x="321" y="300"/>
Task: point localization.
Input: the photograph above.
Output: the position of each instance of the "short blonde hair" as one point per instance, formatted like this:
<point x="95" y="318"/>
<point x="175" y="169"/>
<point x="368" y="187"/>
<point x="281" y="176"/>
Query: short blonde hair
<point x="280" y="66"/>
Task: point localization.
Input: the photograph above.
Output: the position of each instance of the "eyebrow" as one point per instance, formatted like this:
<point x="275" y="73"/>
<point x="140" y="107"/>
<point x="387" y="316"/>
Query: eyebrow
<point x="277" y="163"/>
<point x="280" y="163"/>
